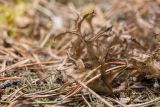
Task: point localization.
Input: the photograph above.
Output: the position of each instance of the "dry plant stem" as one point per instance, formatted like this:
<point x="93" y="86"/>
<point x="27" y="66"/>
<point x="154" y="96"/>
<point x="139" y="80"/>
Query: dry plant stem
<point x="44" y="96"/>
<point x="146" y="103"/>
<point x="37" y="63"/>
<point x="12" y="104"/>
<point x="9" y="78"/>
<point x="8" y="52"/>
<point x="95" y="94"/>
<point x="20" y="51"/>
<point x="118" y="102"/>
<point x="99" y="34"/>
<point x="46" y="38"/>
<point x="116" y="62"/>
<point x="65" y="84"/>
<point x="40" y="92"/>
<point x="97" y="76"/>
<point x="91" y="72"/>
<point x="95" y="70"/>
<point x="73" y="92"/>
<point x="105" y="81"/>
<point x="11" y="96"/>
<point x="14" y="65"/>
<point x="44" y="10"/>
<point x="80" y="22"/>
<point x="86" y="101"/>
<point x="43" y="92"/>
<point x="14" y="94"/>
<point x="63" y="63"/>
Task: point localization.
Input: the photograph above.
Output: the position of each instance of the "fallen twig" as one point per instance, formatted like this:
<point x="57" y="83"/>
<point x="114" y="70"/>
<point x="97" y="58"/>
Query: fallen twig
<point x="14" y="65"/>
